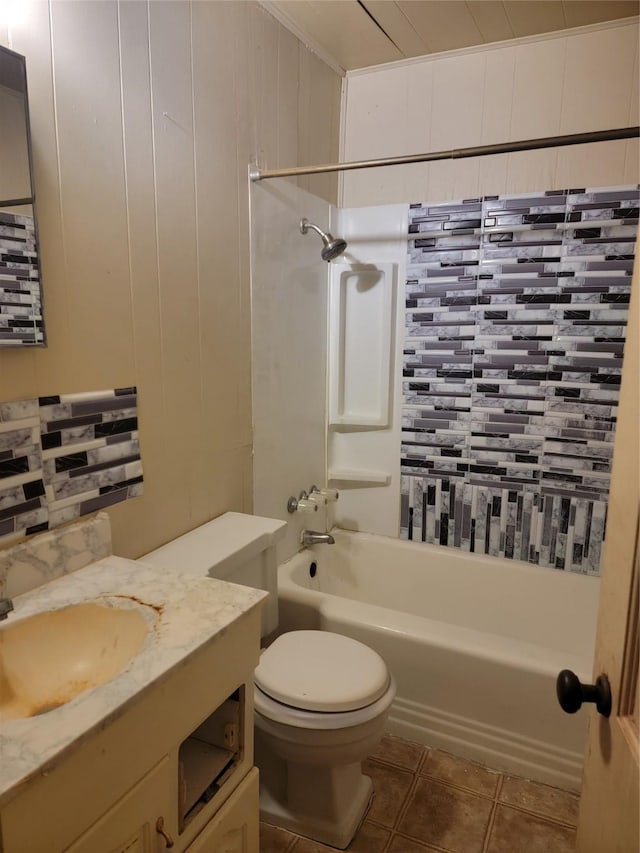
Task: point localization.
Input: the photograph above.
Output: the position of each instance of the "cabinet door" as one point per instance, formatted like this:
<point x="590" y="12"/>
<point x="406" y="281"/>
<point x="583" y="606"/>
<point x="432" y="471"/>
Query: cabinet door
<point x="130" y="825"/>
<point x="235" y="827"/>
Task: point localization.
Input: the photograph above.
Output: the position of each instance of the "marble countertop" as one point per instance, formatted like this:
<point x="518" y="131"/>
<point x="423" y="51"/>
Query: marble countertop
<point x="184" y="614"/>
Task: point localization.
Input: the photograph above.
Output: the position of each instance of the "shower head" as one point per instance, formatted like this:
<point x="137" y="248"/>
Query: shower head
<point x="331" y="246"/>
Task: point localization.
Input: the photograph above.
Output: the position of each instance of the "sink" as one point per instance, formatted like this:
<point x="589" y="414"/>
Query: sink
<point x="51" y="657"/>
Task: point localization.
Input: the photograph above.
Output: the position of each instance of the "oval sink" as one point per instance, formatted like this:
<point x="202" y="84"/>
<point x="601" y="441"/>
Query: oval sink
<point x="49" y="658"/>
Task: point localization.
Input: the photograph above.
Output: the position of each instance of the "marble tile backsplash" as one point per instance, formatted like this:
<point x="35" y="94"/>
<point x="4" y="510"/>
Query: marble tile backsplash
<point x="65" y="456"/>
<point x="516" y="311"/>
<point x="50" y="555"/>
<point x="21" y="319"/>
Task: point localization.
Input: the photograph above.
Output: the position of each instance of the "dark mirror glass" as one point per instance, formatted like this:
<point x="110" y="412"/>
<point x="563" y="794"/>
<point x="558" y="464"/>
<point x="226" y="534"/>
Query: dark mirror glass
<point x="21" y="319"/>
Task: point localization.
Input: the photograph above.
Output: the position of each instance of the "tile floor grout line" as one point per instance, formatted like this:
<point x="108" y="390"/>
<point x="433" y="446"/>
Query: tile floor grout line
<point x="393" y="764"/>
<point x="404" y="807"/>
<point x="389" y="842"/>
<point x="293" y="844"/>
<point x="379" y="825"/>
<point x="405" y="836"/>
<point x="461" y="788"/>
<point x="545" y="817"/>
<point x="426" y="752"/>
<point x="489" y="829"/>
<point x="494" y="810"/>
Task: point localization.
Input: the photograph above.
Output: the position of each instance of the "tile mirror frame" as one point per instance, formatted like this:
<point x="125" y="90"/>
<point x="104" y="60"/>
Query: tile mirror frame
<point x="21" y="314"/>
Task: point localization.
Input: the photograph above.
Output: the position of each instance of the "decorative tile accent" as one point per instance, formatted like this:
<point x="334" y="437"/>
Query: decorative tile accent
<point x="23" y="508"/>
<point x="516" y="309"/>
<point x="21" y="319"/>
<point x="65" y="456"/>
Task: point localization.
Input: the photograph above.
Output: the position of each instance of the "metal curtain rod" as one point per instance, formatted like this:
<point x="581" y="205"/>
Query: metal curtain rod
<point x="454" y="154"/>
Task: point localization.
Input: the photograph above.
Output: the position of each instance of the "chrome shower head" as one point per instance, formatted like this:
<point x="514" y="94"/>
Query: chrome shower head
<point x="331" y="246"/>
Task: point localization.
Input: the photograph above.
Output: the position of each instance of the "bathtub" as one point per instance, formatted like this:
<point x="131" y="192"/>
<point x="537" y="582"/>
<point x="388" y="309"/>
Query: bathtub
<point x="475" y="644"/>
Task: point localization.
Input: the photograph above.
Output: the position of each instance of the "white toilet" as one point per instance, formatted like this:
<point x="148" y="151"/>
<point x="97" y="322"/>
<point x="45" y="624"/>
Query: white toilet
<point x="321" y="699"/>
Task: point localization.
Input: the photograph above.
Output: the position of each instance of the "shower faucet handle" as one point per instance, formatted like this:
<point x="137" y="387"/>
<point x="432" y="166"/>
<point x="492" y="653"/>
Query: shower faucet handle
<point x="301" y="504"/>
<point x="329" y="495"/>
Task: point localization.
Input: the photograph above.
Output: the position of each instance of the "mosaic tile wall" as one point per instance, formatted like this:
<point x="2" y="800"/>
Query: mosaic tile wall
<point x="515" y="322"/>
<point x="66" y="456"/>
<point x="20" y="298"/>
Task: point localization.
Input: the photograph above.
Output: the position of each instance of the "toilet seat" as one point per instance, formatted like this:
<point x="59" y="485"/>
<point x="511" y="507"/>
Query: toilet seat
<point x="270" y="709"/>
<point x="319" y="671"/>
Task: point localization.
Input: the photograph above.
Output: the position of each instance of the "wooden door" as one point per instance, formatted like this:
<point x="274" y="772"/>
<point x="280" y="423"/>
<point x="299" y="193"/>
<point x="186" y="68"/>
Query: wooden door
<point x="609" y="818"/>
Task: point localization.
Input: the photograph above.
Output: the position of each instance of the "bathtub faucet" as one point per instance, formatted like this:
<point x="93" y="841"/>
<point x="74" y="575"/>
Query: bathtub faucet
<point x="311" y="537"/>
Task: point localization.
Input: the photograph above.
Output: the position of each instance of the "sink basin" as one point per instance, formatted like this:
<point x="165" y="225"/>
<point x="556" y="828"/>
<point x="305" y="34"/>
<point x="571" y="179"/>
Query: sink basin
<point x="49" y="658"/>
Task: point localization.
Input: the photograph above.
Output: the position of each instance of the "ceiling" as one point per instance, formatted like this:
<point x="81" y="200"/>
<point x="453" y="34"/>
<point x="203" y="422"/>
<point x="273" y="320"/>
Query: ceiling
<point x="359" y="33"/>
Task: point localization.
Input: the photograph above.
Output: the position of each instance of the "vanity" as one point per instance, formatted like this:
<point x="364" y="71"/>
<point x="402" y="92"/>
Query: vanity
<point x="127" y="723"/>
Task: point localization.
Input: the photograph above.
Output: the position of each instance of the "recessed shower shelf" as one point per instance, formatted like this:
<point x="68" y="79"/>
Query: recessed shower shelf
<point x="369" y="478"/>
<point x="360" y="336"/>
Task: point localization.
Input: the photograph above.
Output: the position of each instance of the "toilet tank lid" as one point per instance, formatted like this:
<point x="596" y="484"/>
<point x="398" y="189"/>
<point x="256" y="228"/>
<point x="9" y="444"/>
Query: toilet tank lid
<point x="224" y="543"/>
<point x="321" y="671"/>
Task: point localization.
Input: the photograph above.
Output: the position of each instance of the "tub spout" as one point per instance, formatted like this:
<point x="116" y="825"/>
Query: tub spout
<point x="311" y="537"/>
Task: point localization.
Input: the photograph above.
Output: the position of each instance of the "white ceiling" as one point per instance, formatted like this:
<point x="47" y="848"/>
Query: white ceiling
<point x="359" y="33"/>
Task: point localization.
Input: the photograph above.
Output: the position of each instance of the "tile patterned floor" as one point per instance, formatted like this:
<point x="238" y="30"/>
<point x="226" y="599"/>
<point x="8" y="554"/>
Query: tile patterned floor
<point x="427" y="801"/>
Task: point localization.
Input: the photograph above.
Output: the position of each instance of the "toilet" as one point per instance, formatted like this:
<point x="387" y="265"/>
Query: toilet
<point x="321" y="699"/>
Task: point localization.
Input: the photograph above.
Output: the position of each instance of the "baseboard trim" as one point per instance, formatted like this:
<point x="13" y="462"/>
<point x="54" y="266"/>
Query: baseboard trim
<point x="500" y="749"/>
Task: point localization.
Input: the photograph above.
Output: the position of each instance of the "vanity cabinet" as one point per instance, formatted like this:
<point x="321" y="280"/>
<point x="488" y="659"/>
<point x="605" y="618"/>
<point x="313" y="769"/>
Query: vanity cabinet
<point x="141" y="821"/>
<point x="130" y="825"/>
<point x="107" y="794"/>
<point x="235" y="828"/>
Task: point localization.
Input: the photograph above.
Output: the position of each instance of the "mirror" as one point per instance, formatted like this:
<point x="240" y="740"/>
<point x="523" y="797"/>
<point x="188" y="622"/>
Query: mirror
<point x="21" y="319"/>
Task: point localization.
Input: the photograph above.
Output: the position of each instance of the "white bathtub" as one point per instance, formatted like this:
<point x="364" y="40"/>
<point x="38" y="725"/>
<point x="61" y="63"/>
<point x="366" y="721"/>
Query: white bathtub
<point x="475" y="644"/>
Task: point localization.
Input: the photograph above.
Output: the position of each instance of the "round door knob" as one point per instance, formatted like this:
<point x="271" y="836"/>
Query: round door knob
<point x="572" y="693"/>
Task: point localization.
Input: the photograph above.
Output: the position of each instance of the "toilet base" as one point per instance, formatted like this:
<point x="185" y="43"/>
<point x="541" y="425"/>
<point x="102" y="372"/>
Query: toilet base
<point x="337" y="831"/>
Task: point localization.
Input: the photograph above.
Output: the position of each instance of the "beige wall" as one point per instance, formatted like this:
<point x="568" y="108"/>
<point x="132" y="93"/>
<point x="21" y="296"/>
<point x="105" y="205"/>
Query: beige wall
<point x="144" y="119"/>
<point x="568" y="82"/>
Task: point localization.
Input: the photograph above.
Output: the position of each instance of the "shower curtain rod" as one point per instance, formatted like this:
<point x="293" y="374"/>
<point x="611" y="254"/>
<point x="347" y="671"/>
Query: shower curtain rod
<point x="256" y="174"/>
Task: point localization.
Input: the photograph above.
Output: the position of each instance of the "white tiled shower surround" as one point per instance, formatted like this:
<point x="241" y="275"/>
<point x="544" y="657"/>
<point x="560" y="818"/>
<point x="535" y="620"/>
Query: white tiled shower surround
<point x="64" y="456"/>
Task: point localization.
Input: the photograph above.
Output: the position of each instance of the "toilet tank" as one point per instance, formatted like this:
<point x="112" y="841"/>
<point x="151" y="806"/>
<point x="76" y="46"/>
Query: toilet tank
<point x="233" y="547"/>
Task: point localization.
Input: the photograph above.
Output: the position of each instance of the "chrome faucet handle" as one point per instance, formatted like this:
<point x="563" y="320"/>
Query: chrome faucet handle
<point x="329" y="495"/>
<point x="301" y="504"/>
<point x="316" y="497"/>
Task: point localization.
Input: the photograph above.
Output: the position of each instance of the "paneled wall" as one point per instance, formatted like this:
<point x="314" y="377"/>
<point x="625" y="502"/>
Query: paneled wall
<point x="567" y="82"/>
<point x="144" y="119"/>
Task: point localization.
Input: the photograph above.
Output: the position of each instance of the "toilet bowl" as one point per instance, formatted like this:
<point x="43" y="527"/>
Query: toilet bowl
<point x="321" y="703"/>
<point x="321" y="700"/>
